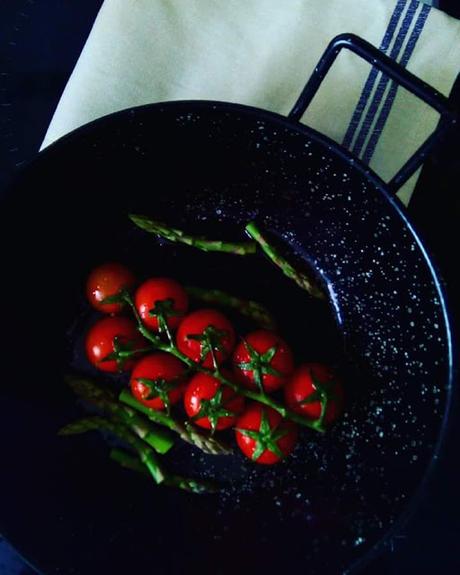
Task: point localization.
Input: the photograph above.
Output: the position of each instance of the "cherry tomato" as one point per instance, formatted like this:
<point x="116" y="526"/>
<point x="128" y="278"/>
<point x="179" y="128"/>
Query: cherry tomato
<point x="157" y="380"/>
<point x="105" y="281"/>
<point x="263" y="435"/>
<point x="210" y="404"/>
<point x="203" y="330"/>
<point x="161" y="294"/>
<point x="310" y="384"/>
<point x="263" y="360"/>
<point x="110" y="337"/>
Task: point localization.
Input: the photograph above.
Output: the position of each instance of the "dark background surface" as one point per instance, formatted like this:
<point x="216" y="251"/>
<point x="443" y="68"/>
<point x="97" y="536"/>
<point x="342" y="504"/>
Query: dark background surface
<point x="40" y="41"/>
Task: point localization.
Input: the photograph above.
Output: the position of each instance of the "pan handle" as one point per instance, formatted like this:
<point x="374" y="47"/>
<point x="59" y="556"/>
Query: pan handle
<point x="398" y="74"/>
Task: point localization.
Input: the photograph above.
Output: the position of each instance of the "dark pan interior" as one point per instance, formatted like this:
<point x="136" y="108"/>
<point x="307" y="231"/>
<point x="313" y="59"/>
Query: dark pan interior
<point x="211" y="168"/>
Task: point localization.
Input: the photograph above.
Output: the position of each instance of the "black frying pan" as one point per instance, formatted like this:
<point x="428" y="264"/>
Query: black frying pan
<point x="211" y="167"/>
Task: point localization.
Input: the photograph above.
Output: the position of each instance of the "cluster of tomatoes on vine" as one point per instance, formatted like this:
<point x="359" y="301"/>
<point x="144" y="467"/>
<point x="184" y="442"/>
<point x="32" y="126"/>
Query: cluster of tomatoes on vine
<point x="261" y="361"/>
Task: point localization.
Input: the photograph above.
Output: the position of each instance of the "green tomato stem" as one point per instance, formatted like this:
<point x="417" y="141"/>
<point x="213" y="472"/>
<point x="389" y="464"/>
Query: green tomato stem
<point x="133" y="353"/>
<point x="256" y="396"/>
<point x="199" y="242"/>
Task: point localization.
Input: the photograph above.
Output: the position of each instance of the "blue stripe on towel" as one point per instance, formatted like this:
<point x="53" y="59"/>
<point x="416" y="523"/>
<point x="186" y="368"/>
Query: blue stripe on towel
<point x="369" y="85"/>
<point x="384" y="80"/>
<point x="384" y="113"/>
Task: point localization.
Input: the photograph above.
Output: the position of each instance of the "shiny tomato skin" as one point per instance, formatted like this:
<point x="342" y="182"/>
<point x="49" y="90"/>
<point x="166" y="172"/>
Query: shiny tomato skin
<point x="100" y="342"/>
<point x="301" y="386"/>
<point x="108" y="280"/>
<point x="204" y="386"/>
<point x="283" y="360"/>
<point x="251" y="419"/>
<point x="160" y="289"/>
<point x="155" y="366"/>
<point x="194" y="324"/>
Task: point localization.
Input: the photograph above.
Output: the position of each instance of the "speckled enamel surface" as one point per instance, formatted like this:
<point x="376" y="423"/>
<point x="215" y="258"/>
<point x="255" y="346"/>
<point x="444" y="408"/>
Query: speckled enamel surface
<point x="212" y="167"/>
<point x="385" y="299"/>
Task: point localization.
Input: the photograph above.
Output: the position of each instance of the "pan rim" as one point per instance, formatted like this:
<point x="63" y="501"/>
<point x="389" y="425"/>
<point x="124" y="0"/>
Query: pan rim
<point x="192" y="106"/>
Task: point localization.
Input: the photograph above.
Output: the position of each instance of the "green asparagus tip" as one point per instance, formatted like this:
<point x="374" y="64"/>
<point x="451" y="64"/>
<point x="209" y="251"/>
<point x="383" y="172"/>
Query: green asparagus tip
<point x="127" y="460"/>
<point x="76" y="427"/>
<point x="65" y="431"/>
<point x="136" y="218"/>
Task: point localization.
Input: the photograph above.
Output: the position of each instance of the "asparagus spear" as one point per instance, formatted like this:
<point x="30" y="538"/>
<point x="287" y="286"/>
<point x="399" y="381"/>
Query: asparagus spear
<point x="146" y="458"/>
<point x="104" y="400"/>
<point x="301" y="279"/>
<point x="192" y="485"/>
<point x="97" y="423"/>
<point x="247" y="308"/>
<point x="199" y="242"/>
<point x="186" y="432"/>
<point x="129" y="461"/>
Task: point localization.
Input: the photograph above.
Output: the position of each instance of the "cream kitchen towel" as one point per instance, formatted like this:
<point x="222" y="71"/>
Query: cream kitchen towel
<point x="260" y="53"/>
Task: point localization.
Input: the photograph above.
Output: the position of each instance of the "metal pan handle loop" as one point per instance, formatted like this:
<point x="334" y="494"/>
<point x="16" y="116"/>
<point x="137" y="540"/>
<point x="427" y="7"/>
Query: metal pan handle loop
<point x="398" y="74"/>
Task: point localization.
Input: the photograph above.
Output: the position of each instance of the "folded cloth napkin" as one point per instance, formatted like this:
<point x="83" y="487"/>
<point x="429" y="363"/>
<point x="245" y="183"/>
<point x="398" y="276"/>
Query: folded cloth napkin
<point x="260" y="53"/>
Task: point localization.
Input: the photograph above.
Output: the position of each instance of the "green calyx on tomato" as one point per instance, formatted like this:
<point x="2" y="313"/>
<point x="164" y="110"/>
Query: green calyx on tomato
<point x="158" y="388"/>
<point x="119" y="297"/>
<point x="172" y="300"/>
<point x="211" y="340"/>
<point x="162" y="310"/>
<point x="266" y="438"/>
<point x="259" y="364"/>
<point x="325" y="391"/>
<point x="122" y="351"/>
<point x="213" y="409"/>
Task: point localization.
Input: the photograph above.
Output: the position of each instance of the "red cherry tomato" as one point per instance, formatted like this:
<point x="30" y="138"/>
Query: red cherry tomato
<point x="263" y="359"/>
<point x="110" y="336"/>
<point x="105" y="281"/>
<point x="218" y="405"/>
<point x="311" y="383"/>
<point x="202" y="330"/>
<point x="157" y="380"/>
<point x="263" y="435"/>
<point x="161" y="293"/>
